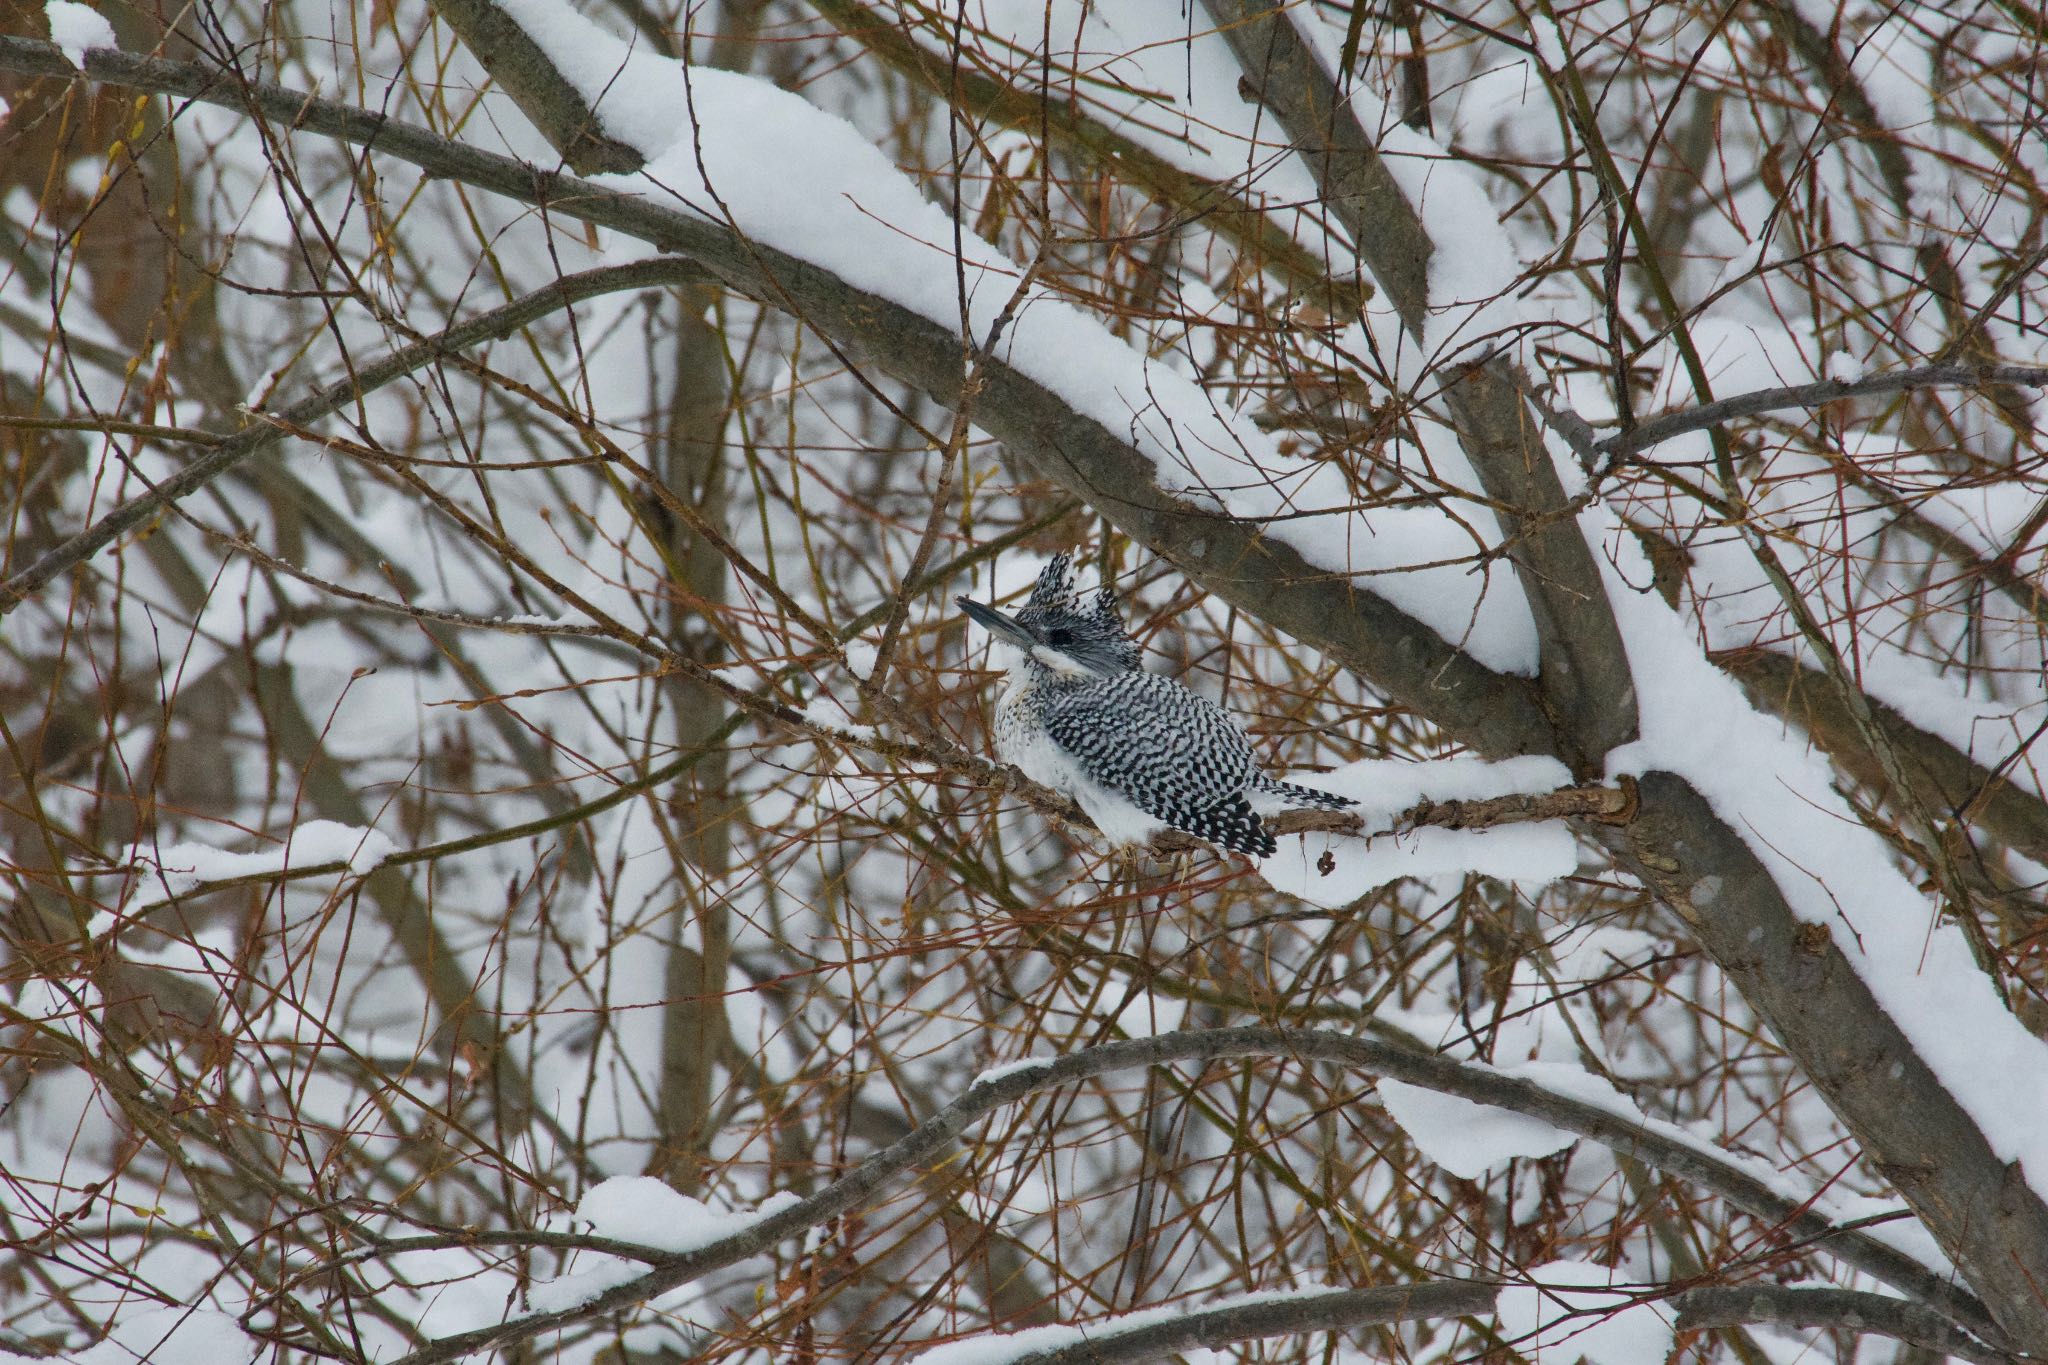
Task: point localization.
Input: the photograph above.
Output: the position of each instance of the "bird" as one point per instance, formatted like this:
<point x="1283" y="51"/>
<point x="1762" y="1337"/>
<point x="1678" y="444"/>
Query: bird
<point x="1136" y="750"/>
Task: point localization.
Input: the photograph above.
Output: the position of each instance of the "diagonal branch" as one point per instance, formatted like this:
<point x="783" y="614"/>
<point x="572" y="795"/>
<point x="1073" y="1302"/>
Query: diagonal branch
<point x="1584" y="668"/>
<point x="1842" y="1310"/>
<point x="1495" y="713"/>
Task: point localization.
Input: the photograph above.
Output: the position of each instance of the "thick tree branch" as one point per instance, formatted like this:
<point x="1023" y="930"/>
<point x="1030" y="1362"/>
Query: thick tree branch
<point x="1584" y="672"/>
<point x="1497" y="714"/>
<point x="1841" y="1310"/>
<point x="529" y="75"/>
<point x="1792" y="973"/>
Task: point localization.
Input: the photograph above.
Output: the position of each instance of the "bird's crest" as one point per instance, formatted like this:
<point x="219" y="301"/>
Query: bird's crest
<point x="1054" y="593"/>
<point x="1054" y="590"/>
<point x="1094" y="634"/>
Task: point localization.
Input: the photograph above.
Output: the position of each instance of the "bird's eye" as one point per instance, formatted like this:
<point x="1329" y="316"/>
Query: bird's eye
<point x="1059" y="637"/>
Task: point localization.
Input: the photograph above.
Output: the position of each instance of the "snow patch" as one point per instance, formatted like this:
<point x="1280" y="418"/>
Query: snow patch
<point x="1464" y="1138"/>
<point x="1003" y="1069"/>
<point x="1333" y="870"/>
<point x="1384" y="788"/>
<point x="629" y="89"/>
<point x="184" y="866"/>
<point x="642" y="1210"/>
<point x="172" y="1336"/>
<point x="860" y="658"/>
<point x="74" y="28"/>
<point x="646" y="1212"/>
<point x="829" y="713"/>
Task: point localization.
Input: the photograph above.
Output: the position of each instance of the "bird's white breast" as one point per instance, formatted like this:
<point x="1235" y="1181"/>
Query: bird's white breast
<point x="1022" y="741"/>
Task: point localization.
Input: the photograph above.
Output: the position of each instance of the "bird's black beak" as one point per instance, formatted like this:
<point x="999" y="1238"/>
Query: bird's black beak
<point x="1000" y="624"/>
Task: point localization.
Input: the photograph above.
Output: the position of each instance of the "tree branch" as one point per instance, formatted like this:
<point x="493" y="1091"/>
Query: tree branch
<point x="1584" y="672"/>
<point x="1841" y="1310"/>
<point x="529" y="75"/>
<point x="1657" y="429"/>
<point x="1147" y="1335"/>
<point x="1614" y="805"/>
<point x="260" y="435"/>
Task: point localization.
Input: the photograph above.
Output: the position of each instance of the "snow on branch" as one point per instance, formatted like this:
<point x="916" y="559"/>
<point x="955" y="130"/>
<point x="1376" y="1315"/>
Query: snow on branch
<point x="1557" y="1307"/>
<point x="1112" y="462"/>
<point x="786" y="174"/>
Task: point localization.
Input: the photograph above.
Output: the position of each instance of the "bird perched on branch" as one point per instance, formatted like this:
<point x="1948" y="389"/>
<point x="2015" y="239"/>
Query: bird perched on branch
<point x="1135" y="750"/>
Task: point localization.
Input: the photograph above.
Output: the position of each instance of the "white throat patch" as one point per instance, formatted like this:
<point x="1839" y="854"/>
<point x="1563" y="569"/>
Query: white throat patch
<point x="1060" y="664"/>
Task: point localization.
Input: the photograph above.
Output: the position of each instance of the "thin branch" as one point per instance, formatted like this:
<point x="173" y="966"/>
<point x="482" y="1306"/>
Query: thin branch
<point x="260" y="434"/>
<point x="1614" y="805"/>
<point x="1658" y="429"/>
<point x="241" y="544"/>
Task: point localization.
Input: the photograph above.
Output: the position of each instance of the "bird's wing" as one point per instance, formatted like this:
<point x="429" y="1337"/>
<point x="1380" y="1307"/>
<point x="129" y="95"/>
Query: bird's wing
<point x="1175" y="755"/>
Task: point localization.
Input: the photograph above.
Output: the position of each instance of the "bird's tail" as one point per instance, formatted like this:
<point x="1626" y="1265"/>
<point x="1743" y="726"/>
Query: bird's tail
<point x="1294" y="795"/>
<point x="1232" y="824"/>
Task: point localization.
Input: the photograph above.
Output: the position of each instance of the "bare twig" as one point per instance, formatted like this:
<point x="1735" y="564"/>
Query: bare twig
<point x="230" y="451"/>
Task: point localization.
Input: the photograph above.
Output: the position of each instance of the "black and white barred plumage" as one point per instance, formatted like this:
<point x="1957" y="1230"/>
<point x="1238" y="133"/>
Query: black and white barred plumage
<point x="1137" y="751"/>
